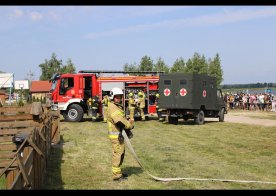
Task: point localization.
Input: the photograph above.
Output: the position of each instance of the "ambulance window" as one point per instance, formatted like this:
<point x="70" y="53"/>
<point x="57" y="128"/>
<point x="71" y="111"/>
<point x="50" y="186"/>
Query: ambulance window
<point x="204" y="83"/>
<point x="183" y="82"/>
<point x="167" y="82"/>
<point x="212" y="85"/>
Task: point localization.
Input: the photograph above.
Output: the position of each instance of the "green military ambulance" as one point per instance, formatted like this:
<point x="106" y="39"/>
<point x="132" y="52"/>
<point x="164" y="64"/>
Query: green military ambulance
<point x="190" y="96"/>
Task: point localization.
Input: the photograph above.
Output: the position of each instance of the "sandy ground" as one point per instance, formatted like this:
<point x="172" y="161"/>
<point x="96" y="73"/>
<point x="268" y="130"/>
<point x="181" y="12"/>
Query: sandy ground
<point x="249" y="117"/>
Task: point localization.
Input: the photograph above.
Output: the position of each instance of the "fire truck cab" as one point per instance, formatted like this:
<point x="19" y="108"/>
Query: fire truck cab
<point x="70" y="93"/>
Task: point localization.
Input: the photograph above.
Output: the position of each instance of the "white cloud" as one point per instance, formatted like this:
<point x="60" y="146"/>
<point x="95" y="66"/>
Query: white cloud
<point x="17" y="13"/>
<point x="205" y="20"/>
<point x="234" y="16"/>
<point x="36" y="16"/>
<point x="54" y="15"/>
<point x="151" y="10"/>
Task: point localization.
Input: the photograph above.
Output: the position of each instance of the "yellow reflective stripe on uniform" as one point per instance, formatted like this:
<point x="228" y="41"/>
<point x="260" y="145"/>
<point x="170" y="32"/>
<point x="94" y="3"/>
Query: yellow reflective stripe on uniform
<point x="116" y="169"/>
<point x="113" y="136"/>
<point x="109" y="126"/>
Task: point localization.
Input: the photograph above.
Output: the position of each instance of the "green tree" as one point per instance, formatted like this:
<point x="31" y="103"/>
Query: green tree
<point x="54" y="65"/>
<point x="161" y="66"/>
<point x="20" y="102"/>
<point x="197" y="64"/>
<point x="68" y="68"/>
<point x="146" y="64"/>
<point x="178" y="66"/>
<point x="49" y="67"/>
<point x="130" y="67"/>
<point x="215" y="69"/>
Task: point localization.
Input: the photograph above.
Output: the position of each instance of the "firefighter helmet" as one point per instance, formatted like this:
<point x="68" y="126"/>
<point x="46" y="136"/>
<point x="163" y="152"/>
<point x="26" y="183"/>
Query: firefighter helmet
<point x="115" y="91"/>
<point x="157" y="95"/>
<point x="130" y="94"/>
<point x="140" y="94"/>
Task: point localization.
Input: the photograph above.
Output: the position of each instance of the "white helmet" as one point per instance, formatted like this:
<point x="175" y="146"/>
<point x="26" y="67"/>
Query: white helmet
<point x="115" y="91"/>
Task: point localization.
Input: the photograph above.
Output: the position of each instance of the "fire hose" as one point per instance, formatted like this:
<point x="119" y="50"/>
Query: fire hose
<point x="178" y="179"/>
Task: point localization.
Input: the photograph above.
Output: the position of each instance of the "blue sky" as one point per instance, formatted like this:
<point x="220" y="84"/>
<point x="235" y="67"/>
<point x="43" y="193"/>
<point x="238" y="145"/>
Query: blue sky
<point x="107" y="37"/>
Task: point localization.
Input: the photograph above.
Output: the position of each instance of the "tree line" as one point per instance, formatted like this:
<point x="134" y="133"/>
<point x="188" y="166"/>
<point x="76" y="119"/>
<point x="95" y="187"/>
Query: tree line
<point x="251" y="85"/>
<point x="197" y="64"/>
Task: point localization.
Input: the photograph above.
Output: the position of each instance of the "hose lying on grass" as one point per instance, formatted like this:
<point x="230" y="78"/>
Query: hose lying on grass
<point x="178" y="179"/>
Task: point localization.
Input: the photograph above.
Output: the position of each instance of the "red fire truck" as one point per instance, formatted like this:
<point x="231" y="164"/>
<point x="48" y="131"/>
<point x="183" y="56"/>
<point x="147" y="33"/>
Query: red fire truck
<point x="70" y="92"/>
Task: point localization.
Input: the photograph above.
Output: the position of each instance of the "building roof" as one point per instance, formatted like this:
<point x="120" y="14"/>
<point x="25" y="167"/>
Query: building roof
<point x="40" y="86"/>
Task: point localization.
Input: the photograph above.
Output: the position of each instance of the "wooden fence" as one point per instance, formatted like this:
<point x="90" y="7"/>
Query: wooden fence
<point x="26" y="136"/>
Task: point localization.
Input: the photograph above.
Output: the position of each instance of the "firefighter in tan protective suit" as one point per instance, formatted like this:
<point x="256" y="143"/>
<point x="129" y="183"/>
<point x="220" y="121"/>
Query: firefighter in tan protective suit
<point x="141" y="103"/>
<point x="131" y="106"/>
<point x="105" y="102"/>
<point x="117" y="121"/>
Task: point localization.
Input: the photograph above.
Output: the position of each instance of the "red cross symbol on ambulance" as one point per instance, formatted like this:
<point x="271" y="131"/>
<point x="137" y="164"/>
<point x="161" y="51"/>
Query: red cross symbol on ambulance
<point x="183" y="92"/>
<point x="204" y="93"/>
<point x="167" y="92"/>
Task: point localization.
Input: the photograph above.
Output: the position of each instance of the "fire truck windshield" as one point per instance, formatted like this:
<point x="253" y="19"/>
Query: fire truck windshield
<point x="54" y="84"/>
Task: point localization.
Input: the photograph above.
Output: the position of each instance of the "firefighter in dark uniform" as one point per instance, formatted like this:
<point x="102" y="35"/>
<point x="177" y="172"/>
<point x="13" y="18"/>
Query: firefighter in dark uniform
<point x="95" y="107"/>
<point x="89" y="106"/>
<point x="117" y="121"/>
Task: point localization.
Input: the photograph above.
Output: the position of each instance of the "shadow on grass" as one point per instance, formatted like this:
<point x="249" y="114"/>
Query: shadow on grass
<point x="133" y="170"/>
<point x="53" y="178"/>
<point x="188" y="122"/>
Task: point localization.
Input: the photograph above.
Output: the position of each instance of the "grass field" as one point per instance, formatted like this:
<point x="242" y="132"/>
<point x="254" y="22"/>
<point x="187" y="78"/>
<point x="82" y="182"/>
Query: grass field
<point x="255" y="114"/>
<point x="2" y="183"/>
<point x="213" y="150"/>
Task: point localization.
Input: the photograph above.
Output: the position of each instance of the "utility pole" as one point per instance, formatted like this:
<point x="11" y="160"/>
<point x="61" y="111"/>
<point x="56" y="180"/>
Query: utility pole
<point x="30" y="76"/>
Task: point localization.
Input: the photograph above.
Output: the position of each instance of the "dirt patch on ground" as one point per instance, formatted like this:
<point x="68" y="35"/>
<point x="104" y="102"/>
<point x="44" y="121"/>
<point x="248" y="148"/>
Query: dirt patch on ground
<point x="250" y="117"/>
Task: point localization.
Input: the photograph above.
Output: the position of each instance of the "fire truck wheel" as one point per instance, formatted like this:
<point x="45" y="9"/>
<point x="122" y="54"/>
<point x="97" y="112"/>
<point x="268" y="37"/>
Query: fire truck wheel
<point x="221" y="115"/>
<point x="74" y="113"/>
<point x="199" y="119"/>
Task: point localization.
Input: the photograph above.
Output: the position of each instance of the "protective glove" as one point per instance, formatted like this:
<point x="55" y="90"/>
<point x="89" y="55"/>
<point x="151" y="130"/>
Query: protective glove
<point x="129" y="133"/>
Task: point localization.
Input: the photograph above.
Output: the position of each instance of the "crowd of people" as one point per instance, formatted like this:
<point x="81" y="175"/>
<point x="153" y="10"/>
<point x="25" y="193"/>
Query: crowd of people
<point x="252" y="102"/>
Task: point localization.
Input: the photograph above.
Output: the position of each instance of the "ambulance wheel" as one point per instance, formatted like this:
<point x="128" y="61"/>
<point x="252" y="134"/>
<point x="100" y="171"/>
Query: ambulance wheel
<point x="185" y="119"/>
<point x="74" y="113"/>
<point x="173" y="120"/>
<point x="199" y="119"/>
<point x="221" y="115"/>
